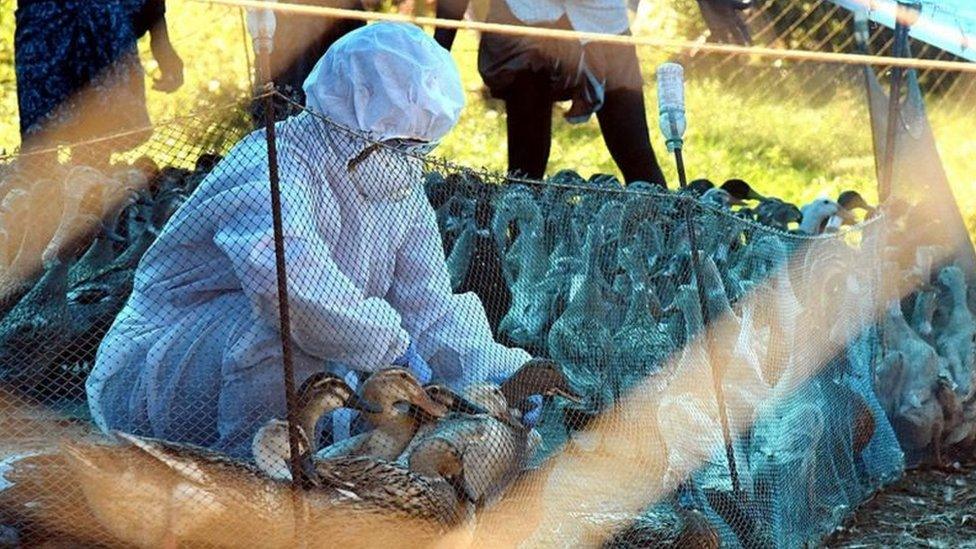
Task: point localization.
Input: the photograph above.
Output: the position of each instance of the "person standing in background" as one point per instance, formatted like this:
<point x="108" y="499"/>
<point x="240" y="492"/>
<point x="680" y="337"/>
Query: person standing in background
<point x="531" y="73"/>
<point x="79" y="77"/>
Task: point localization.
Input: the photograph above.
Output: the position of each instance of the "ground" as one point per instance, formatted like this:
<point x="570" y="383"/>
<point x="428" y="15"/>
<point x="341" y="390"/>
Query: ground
<point x="924" y="509"/>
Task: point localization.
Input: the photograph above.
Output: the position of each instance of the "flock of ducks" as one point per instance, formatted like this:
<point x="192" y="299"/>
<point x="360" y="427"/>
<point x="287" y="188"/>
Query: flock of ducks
<point x="70" y="241"/>
<point x="433" y="459"/>
<point x="600" y="280"/>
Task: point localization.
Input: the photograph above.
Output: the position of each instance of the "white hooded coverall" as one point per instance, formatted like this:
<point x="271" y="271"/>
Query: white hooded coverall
<point x="195" y="355"/>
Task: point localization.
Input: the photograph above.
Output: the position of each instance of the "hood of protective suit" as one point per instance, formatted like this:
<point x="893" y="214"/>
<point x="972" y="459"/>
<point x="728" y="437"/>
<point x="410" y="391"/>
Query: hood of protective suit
<point x="388" y="80"/>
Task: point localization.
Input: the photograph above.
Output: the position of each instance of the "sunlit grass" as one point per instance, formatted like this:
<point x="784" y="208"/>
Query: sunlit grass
<point x="787" y="144"/>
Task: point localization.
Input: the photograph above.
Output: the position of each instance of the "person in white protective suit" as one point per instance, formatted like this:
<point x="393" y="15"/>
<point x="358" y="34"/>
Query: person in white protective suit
<point x="196" y="353"/>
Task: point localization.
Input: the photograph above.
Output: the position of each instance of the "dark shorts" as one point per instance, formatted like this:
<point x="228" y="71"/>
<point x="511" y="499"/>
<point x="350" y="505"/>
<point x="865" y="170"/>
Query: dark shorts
<point x="502" y="57"/>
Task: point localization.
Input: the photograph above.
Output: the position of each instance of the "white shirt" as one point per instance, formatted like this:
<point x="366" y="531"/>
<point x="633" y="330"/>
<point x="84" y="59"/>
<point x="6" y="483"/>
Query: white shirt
<point x="607" y="16"/>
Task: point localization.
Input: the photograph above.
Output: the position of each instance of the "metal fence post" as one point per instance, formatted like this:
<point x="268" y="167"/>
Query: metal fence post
<point x="262" y="26"/>
<point x="671" y="99"/>
<point x="906" y="15"/>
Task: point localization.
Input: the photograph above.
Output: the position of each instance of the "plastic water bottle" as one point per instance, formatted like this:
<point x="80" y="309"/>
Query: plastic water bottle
<point x="261" y="24"/>
<point x="671" y="103"/>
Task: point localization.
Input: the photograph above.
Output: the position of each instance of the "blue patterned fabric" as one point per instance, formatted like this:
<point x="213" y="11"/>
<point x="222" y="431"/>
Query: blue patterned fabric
<point x="78" y="71"/>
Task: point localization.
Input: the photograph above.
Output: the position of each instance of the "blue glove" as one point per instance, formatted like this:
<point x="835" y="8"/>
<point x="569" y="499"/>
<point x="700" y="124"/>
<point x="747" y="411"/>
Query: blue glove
<point x="533" y="411"/>
<point x="412" y="360"/>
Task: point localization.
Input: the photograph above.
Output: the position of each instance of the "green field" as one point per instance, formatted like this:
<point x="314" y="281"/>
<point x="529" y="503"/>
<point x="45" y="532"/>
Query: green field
<point x="781" y="140"/>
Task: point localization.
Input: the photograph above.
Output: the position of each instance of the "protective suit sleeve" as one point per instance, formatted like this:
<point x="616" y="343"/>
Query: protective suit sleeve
<point x="330" y="317"/>
<point x="451" y="331"/>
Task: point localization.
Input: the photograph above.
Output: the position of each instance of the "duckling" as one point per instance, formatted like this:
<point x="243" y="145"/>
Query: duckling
<point x="404" y="407"/>
<point x="955" y="343"/>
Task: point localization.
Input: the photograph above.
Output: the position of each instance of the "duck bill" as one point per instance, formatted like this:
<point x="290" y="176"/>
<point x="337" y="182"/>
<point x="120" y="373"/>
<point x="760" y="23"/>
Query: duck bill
<point x="465" y="406"/>
<point x="567" y="394"/>
<point x="426" y="409"/>
<point x="355" y="402"/>
<point x="753" y="195"/>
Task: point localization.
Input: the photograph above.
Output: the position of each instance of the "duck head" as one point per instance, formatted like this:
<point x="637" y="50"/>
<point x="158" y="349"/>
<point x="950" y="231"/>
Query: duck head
<point x="817" y="214"/>
<point x="700" y="186"/>
<point x="852" y="200"/>
<point x="952" y="277"/>
<point x="538" y="377"/>
<point x="443" y="395"/>
<point x="741" y="191"/>
<point x="401" y="399"/>
<point x="324" y="392"/>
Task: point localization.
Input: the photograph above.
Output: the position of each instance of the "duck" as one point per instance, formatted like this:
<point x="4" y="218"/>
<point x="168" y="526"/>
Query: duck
<point x="778" y="214"/>
<point x="926" y="302"/>
<point x="741" y="191"/>
<point x="906" y="381"/>
<point x="421" y="501"/>
<point x="669" y="523"/>
<point x="78" y="217"/>
<point x="101" y="252"/>
<point x="404" y="405"/>
<point x="580" y="338"/>
<point x="817" y="214"/>
<point x="496" y="447"/>
<point x="485" y="274"/>
<point x="151" y="492"/>
<point x="852" y="200"/>
<point x="642" y="344"/>
<point x="33" y="333"/>
<point x="956" y="342"/>
<point x="959" y="422"/>
<point x="698" y="187"/>
<point x="788" y="441"/>
<point x="526" y="319"/>
<point x="538" y="376"/>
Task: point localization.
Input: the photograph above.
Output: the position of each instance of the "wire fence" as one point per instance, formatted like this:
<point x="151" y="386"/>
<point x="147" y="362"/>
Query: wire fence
<point x="711" y="373"/>
<point x="152" y="301"/>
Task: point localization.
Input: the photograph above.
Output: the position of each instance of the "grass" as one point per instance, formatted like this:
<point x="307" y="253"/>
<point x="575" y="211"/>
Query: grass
<point x="787" y="142"/>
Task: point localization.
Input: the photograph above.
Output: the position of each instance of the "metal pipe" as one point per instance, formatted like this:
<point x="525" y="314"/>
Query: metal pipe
<point x="906" y="15"/>
<point x="703" y="302"/>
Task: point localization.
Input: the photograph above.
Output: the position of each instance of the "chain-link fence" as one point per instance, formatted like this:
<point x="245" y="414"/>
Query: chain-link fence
<point x="715" y="367"/>
<point x="744" y="392"/>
